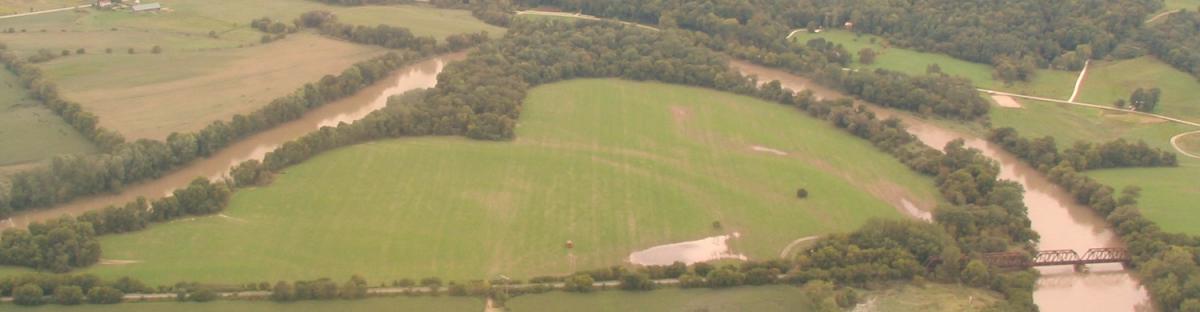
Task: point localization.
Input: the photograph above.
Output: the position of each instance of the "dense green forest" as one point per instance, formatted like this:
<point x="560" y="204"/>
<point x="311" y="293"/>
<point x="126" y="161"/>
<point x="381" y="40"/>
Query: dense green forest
<point x="1176" y="41"/>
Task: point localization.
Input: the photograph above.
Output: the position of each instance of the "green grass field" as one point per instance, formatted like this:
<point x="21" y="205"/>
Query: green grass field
<point x="615" y="166"/>
<point x="933" y="297"/>
<point x="29" y="131"/>
<point x="373" y="304"/>
<point x="1108" y="81"/>
<point x="1173" y="5"/>
<point x="1069" y="123"/>
<point x="1047" y="83"/>
<point x="199" y="79"/>
<point x="8" y="7"/>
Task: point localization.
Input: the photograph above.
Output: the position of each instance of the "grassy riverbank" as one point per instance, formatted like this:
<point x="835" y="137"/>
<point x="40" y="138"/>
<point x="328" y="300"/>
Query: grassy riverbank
<point x="615" y="166"/>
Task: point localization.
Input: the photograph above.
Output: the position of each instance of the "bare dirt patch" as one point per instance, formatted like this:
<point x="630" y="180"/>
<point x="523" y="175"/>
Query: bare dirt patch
<point x="764" y="149"/>
<point x="118" y="262"/>
<point x="1006" y="101"/>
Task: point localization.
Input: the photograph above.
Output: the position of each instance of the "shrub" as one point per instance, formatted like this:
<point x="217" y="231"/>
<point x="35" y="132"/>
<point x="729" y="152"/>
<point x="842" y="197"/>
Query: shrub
<point x="68" y="295"/>
<point x="104" y="295"/>
<point x="28" y="295"/>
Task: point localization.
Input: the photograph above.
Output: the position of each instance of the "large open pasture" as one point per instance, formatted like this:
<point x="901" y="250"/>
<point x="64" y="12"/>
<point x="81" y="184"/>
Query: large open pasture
<point x="198" y="78"/>
<point x="901" y="298"/>
<point x="398" y="304"/>
<point x="1047" y="83"/>
<point x="614" y="166"/>
<point x="1108" y="81"/>
<point x="29" y="131"/>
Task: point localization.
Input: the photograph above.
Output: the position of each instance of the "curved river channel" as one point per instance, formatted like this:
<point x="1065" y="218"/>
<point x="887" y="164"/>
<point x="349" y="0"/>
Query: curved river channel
<point x="416" y="76"/>
<point x="1061" y="222"/>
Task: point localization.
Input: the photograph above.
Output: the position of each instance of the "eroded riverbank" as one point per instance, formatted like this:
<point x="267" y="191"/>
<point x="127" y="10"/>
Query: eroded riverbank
<point x="1061" y="222"/>
<point x="416" y="76"/>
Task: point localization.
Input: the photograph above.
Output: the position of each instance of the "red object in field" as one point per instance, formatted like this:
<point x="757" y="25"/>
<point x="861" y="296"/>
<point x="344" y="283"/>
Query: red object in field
<point x="570" y="244"/>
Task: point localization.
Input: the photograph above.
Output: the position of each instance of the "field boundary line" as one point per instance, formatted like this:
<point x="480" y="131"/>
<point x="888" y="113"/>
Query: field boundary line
<point x="45" y="11"/>
<point x="1175" y="143"/>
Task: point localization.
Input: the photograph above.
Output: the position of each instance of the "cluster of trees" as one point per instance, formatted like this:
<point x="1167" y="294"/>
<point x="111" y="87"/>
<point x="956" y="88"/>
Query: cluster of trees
<point x="319" y="289"/>
<point x="1166" y="262"/>
<point x="67" y="289"/>
<point x="1144" y="100"/>
<point x="274" y="30"/>
<point x="71" y="176"/>
<point x="56" y="245"/>
<point x="1042" y="31"/>
<point x="387" y="36"/>
<point x="1042" y="153"/>
<point x="1176" y="40"/>
<point x="71" y="242"/>
<point x="366" y="2"/>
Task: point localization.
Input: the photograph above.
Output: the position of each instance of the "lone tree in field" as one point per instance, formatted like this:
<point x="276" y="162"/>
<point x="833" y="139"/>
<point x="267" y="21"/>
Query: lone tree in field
<point x="156" y="50"/>
<point x="802" y="193"/>
<point x="716" y="225"/>
<point x="1145" y="100"/>
<point x="866" y="56"/>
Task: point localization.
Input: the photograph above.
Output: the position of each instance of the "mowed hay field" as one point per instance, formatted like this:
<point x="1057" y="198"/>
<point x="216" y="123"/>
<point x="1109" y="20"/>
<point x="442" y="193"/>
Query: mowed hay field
<point x="198" y="79"/>
<point x="29" y="131"/>
<point x="151" y="95"/>
<point x="900" y="298"/>
<point x="1047" y="83"/>
<point x="1108" y="81"/>
<point x="398" y="304"/>
<point x="615" y="166"/>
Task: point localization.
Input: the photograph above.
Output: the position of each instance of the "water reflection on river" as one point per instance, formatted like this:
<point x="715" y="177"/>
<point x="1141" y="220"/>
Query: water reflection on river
<point x="1061" y="222"/>
<point x="417" y="76"/>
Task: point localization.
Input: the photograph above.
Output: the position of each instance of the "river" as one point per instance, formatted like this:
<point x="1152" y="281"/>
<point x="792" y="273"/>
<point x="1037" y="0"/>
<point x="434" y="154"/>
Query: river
<point x="1061" y="222"/>
<point x="416" y="76"/>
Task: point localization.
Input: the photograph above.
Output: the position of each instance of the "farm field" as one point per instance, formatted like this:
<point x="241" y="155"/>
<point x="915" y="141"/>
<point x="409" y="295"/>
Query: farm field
<point x="8" y="7"/>
<point x="189" y="90"/>
<point x="1069" y="123"/>
<point x="933" y="297"/>
<point x="1047" y="83"/>
<point x="1169" y="195"/>
<point x="1108" y="81"/>
<point x="448" y="304"/>
<point x="615" y="166"/>
<point x="1173" y="5"/>
<point x="29" y="131"/>
<point x="198" y="78"/>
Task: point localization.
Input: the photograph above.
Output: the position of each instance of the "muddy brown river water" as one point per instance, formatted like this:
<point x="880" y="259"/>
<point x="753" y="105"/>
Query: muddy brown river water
<point x="1061" y="222"/>
<point x="417" y="76"/>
